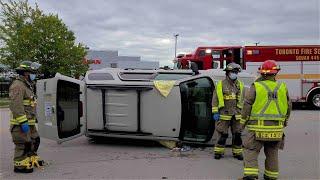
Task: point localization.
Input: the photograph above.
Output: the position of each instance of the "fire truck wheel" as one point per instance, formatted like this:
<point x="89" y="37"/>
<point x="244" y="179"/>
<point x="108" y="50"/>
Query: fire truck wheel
<point x="314" y="99"/>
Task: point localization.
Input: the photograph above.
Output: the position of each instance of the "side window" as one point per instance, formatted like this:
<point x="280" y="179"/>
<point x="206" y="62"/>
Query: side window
<point x="202" y="53"/>
<point x="136" y="76"/>
<point x="171" y="76"/>
<point x="100" y="76"/>
<point x="199" y="89"/>
<point x="216" y="54"/>
<point x="114" y="65"/>
<point x="256" y="52"/>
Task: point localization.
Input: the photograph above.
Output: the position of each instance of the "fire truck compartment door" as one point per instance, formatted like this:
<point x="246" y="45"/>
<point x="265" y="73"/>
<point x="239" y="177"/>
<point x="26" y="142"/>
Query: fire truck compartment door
<point x="60" y="110"/>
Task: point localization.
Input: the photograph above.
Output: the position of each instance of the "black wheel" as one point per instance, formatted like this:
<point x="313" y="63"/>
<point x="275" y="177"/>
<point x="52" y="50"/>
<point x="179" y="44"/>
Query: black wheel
<point x="314" y="99"/>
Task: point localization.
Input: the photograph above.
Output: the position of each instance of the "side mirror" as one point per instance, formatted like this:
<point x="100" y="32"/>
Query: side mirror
<point x="194" y="68"/>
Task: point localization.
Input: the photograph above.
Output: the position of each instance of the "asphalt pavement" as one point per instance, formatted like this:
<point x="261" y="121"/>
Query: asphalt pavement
<point x="83" y="158"/>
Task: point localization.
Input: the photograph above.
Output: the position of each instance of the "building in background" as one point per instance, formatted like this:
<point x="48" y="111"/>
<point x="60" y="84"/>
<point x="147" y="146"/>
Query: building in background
<point x="103" y="59"/>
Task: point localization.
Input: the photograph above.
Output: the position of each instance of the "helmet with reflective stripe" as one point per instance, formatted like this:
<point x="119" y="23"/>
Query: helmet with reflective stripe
<point x="233" y="67"/>
<point x="269" y="67"/>
<point x="28" y="66"/>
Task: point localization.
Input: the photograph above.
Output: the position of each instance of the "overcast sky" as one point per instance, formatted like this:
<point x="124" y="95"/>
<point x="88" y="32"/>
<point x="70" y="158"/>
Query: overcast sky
<point x="146" y="27"/>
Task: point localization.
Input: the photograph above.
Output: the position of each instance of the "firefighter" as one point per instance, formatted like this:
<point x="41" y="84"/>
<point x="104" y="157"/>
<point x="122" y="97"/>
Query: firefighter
<point x="227" y="103"/>
<point x="265" y="114"/>
<point x="22" y="125"/>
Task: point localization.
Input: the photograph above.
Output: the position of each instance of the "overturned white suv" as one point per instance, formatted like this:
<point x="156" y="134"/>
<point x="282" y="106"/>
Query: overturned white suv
<point x="141" y="104"/>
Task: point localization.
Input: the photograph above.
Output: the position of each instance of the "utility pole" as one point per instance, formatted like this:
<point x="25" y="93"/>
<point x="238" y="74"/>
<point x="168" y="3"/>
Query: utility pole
<point x="175" y="46"/>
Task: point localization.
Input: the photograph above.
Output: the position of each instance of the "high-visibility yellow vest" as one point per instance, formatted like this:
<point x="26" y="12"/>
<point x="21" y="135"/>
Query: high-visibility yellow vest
<point x="270" y="104"/>
<point x="222" y="97"/>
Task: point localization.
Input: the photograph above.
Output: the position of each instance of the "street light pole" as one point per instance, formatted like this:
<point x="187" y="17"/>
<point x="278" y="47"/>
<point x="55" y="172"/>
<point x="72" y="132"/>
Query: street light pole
<point x="175" y="46"/>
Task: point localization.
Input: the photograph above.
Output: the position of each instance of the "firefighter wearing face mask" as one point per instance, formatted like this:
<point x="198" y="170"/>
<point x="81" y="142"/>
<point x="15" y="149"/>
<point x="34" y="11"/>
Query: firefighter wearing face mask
<point x="227" y="103"/>
<point x="22" y="125"/>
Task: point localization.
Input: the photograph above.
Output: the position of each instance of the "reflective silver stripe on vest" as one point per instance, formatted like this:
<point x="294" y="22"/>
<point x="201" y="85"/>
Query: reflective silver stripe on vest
<point x="272" y="96"/>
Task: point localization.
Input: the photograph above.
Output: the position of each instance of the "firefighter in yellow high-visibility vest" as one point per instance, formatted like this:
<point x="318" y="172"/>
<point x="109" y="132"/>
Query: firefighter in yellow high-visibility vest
<point x="265" y="114"/>
<point x="22" y="125"/>
<point x="227" y="103"/>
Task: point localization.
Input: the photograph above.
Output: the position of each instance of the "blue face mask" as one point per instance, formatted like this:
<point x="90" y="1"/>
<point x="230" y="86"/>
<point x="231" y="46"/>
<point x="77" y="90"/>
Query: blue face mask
<point x="233" y="76"/>
<point x="32" y="77"/>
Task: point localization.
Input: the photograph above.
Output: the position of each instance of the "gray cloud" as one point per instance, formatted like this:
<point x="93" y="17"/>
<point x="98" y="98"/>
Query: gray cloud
<point x="145" y="27"/>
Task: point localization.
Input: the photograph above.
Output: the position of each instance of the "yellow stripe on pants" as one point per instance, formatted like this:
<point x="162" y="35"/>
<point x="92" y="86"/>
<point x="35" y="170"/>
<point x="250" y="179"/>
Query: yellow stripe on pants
<point x="251" y="171"/>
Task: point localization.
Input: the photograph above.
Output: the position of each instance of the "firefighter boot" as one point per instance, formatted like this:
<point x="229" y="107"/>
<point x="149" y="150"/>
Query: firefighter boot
<point x="265" y="177"/>
<point x="217" y="156"/>
<point x="249" y="178"/>
<point x="238" y="156"/>
<point x="23" y="166"/>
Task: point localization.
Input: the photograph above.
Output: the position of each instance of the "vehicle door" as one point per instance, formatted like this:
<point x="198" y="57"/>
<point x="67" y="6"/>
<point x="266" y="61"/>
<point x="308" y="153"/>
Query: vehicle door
<point x="60" y="110"/>
<point x="196" y="117"/>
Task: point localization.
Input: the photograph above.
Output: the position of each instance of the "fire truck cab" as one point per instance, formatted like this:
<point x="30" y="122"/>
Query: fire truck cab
<point x="215" y="57"/>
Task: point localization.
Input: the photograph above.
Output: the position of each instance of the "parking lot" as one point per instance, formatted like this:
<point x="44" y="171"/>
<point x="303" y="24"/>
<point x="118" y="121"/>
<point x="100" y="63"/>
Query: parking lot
<point x="83" y="158"/>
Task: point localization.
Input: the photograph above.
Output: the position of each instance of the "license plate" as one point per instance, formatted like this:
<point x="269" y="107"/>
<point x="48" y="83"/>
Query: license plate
<point x="268" y="135"/>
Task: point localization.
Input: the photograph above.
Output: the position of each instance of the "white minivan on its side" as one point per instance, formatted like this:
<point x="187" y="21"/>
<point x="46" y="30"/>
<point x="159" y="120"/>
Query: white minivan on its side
<point x="127" y="104"/>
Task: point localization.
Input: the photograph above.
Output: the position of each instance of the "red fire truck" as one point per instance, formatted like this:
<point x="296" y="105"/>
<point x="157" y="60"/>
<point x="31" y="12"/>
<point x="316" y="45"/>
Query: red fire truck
<point x="300" y="65"/>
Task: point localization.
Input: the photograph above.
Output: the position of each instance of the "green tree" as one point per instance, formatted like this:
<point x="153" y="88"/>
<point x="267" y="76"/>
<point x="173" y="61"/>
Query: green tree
<point x="26" y="33"/>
